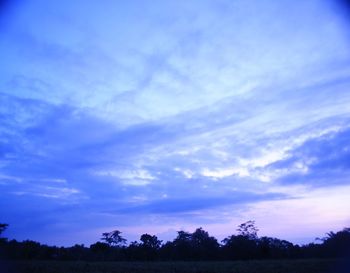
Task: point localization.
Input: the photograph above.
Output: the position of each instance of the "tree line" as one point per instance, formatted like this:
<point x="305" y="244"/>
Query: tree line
<point x="187" y="246"/>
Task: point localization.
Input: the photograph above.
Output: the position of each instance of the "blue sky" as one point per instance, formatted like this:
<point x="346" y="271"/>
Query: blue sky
<point x="156" y="116"/>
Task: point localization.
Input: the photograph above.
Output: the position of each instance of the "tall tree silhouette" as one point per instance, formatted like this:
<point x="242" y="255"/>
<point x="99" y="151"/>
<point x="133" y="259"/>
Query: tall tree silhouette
<point x="204" y="246"/>
<point x="248" y="229"/>
<point x="149" y="246"/>
<point x="150" y="241"/>
<point x="244" y="245"/>
<point x="113" y="238"/>
<point x="338" y="243"/>
<point x="193" y="246"/>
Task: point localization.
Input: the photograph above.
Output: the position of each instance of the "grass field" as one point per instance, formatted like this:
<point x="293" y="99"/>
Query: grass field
<point x="284" y="266"/>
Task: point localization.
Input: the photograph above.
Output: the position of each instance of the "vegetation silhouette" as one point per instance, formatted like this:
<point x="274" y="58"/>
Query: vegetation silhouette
<point x="113" y="238"/>
<point x="187" y="246"/>
<point x="3" y="228"/>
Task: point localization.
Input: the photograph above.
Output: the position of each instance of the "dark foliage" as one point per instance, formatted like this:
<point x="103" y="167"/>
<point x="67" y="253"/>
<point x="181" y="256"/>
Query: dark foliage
<point x="257" y="266"/>
<point x="196" y="246"/>
<point x="3" y="228"/>
<point x="191" y="246"/>
<point x="113" y="238"/>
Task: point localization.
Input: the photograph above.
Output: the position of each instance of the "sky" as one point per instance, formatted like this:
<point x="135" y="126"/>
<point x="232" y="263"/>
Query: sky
<point x="152" y="116"/>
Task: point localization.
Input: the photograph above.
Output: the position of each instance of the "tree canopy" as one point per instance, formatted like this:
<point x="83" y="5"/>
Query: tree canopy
<point x="197" y="245"/>
<point x="113" y="238"/>
<point x="3" y="227"/>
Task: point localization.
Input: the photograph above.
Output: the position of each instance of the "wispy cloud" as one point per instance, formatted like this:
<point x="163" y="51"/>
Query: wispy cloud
<point x="176" y="112"/>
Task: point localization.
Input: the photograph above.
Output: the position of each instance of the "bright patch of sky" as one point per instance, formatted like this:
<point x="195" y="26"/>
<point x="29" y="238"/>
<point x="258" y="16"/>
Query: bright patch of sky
<point x="153" y="116"/>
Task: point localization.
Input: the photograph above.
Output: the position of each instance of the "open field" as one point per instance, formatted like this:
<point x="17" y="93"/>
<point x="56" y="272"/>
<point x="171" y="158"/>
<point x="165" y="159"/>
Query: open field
<point x="283" y="266"/>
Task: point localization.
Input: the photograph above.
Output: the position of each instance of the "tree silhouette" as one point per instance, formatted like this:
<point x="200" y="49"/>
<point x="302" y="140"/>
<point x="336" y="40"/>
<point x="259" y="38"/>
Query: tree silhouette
<point x="148" y="249"/>
<point x="150" y="241"/>
<point x="243" y="245"/>
<point x="193" y="246"/>
<point x="3" y="227"/>
<point x="204" y="246"/>
<point x="273" y="248"/>
<point x="113" y="238"/>
<point x="338" y="243"/>
<point x="100" y="250"/>
<point x="248" y="229"/>
<point x="196" y="246"/>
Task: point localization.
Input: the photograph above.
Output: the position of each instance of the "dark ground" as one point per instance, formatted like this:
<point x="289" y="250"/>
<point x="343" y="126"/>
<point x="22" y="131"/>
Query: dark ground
<point x="270" y="266"/>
